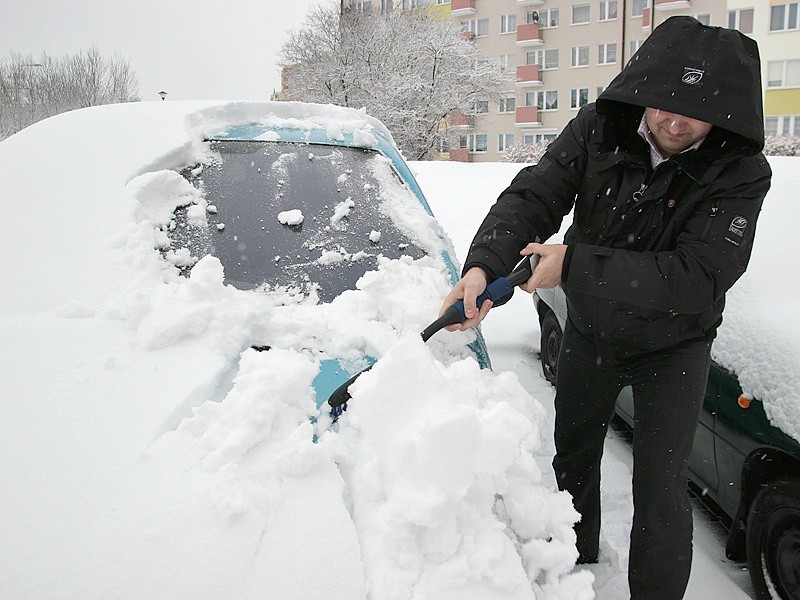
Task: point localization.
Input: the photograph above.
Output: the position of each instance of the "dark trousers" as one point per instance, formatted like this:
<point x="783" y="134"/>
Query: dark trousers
<point x="668" y="388"/>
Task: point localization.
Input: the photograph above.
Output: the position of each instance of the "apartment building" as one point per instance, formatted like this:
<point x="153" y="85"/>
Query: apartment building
<point x="775" y="25"/>
<point x="560" y="55"/>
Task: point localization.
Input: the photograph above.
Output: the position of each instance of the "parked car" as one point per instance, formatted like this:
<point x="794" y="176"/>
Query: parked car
<point x="306" y="208"/>
<point x="181" y="281"/>
<point x="740" y="460"/>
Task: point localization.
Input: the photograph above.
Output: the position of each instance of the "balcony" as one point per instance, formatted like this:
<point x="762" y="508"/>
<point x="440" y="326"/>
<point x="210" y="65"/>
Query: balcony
<point x="462" y="8"/>
<point x="529" y="2"/>
<point x="459" y="154"/>
<point x="672" y="4"/>
<point x="527" y="115"/>
<point x="529" y="34"/>
<point x="528" y="75"/>
<point x="459" y="120"/>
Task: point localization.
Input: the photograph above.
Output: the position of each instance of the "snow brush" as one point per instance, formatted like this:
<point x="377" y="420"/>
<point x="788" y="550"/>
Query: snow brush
<point x="497" y="289"/>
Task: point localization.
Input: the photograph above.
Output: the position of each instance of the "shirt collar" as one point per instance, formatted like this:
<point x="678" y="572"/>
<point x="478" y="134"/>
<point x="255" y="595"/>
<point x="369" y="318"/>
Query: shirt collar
<point x="655" y="155"/>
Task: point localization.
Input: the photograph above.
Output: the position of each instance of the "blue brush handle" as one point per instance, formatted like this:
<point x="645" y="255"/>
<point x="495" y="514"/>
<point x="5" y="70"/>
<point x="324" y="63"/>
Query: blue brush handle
<point x="502" y="286"/>
<point x="499" y="288"/>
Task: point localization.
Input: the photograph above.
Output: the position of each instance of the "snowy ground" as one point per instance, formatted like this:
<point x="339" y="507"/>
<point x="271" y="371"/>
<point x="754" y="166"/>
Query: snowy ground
<point x="147" y="451"/>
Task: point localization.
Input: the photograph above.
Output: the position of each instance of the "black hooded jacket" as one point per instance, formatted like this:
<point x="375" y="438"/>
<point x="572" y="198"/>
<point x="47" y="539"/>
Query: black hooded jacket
<point x="651" y="252"/>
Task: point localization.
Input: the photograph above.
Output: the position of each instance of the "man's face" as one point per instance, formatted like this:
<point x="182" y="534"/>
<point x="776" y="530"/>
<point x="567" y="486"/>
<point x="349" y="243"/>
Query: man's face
<point x="674" y="133"/>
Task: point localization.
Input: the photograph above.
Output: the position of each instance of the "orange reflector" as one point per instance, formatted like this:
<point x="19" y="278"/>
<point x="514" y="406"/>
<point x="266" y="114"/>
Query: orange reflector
<point x="744" y="401"/>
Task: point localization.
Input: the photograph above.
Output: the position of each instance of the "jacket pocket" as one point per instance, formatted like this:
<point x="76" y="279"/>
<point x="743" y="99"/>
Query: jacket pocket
<point x="646" y="330"/>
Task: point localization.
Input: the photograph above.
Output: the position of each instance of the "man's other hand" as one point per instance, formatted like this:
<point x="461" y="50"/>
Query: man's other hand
<point x="547" y="273"/>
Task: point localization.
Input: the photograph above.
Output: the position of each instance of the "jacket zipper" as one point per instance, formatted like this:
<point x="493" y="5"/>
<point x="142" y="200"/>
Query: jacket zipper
<point x="711" y="214"/>
<point x="637" y="195"/>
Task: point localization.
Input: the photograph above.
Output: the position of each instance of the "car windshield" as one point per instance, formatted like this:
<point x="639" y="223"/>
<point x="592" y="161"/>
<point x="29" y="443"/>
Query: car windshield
<point x="283" y="214"/>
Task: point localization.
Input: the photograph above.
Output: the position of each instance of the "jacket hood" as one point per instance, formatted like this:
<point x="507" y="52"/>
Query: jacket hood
<point x="707" y="73"/>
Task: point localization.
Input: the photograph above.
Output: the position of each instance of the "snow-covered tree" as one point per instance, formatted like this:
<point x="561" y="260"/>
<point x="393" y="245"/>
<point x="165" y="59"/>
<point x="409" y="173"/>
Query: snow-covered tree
<point x="410" y="70"/>
<point x="34" y="89"/>
<point x="782" y="145"/>
<point x="524" y="153"/>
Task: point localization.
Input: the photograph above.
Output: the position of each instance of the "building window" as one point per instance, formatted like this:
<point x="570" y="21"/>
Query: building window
<point x="361" y="7"/>
<point x="546" y="18"/>
<point x="507" y="103"/>
<point x="782" y="125"/>
<point x="508" y="23"/>
<point x="580" y="14"/>
<point x="580" y="56"/>
<point x="477" y="27"/>
<point x="783" y="16"/>
<point x="480" y="107"/>
<point x="704" y="18"/>
<point x="783" y="73"/>
<point x="608" y="10"/>
<point x="635" y="45"/>
<point x="508" y="62"/>
<point x="578" y="97"/>
<point x="600" y="90"/>
<point x="546" y="59"/>
<point x="538" y="138"/>
<point x="543" y="100"/>
<point x="637" y="7"/>
<point x="741" y="19"/>
<point x="474" y="142"/>
<point x="441" y="2"/>
<point x="505" y="141"/>
<point x="606" y="54"/>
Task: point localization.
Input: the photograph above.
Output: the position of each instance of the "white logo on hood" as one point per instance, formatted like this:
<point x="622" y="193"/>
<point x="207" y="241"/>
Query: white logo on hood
<point x="692" y="76"/>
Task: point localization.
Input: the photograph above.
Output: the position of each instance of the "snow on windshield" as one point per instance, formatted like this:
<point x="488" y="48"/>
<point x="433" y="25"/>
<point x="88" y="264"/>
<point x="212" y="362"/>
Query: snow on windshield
<point x="138" y="414"/>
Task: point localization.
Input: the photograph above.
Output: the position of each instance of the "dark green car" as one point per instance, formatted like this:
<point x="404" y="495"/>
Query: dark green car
<point x="748" y="467"/>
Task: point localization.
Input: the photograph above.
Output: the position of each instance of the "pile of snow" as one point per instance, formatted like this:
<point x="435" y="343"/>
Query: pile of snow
<point x="151" y="452"/>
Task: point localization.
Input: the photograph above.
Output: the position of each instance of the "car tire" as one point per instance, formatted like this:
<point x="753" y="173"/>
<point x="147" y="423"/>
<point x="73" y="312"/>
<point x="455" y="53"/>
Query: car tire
<point x="773" y="540"/>
<point x="550" y="345"/>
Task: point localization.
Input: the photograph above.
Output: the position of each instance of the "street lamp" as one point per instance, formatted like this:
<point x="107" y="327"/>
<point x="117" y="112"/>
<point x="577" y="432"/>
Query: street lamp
<point x="163" y="94"/>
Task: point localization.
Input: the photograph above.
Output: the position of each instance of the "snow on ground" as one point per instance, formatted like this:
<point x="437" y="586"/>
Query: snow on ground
<point x="140" y="458"/>
<point x="148" y="451"/>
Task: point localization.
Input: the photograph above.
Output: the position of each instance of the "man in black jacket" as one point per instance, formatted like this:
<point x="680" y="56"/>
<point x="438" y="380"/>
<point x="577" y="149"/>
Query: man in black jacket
<point x="665" y="177"/>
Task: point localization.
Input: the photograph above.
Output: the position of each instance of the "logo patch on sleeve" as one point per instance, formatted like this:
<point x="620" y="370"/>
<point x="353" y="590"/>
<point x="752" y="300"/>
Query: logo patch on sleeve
<point x="736" y="230"/>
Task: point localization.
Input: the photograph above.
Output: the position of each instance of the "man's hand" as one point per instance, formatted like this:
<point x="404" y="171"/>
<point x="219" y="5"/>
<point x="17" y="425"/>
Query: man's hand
<point x="468" y="289"/>
<point x="548" y="272"/>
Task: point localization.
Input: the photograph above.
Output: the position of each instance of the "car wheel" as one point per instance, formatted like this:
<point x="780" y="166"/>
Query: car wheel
<point x="551" y="345"/>
<point x="773" y="540"/>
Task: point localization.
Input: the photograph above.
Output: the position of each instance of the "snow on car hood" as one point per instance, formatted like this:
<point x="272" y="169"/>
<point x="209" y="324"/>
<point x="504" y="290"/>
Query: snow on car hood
<point x="150" y="452"/>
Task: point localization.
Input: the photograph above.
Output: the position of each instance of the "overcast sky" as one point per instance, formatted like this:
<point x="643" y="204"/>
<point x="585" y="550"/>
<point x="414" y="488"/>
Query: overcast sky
<point x="192" y="49"/>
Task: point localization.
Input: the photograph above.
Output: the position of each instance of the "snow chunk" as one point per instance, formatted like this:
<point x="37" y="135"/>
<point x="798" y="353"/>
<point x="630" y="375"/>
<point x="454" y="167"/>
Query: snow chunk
<point x="291" y="217"/>
<point x="364" y="138"/>
<point x="342" y="210"/>
<point x="374" y="236"/>
<point x="159" y="193"/>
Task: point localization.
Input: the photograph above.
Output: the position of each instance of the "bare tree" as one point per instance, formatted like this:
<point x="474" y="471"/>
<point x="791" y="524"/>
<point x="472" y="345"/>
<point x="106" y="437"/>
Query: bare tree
<point x="409" y="70"/>
<point x="34" y="89"/>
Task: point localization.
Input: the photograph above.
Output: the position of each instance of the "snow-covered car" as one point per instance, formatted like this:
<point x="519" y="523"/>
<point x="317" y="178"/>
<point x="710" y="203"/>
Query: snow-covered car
<point x="306" y="211"/>
<point x="746" y="455"/>
<point x="182" y="286"/>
